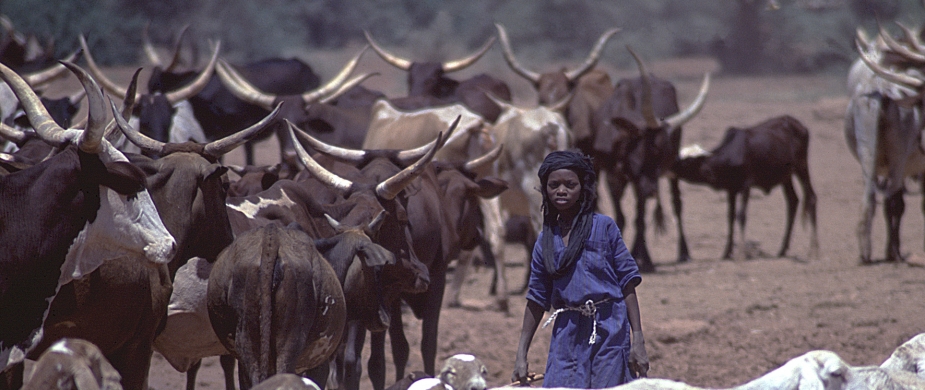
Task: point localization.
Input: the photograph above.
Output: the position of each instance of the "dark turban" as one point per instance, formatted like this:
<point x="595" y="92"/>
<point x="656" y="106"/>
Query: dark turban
<point x="581" y="225"/>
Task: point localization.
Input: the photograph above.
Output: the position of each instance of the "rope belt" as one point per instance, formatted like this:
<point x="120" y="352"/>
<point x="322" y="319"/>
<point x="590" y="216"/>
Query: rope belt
<point x="588" y="309"/>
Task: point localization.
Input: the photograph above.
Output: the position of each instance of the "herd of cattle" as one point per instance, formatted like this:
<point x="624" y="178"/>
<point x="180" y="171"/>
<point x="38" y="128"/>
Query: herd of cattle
<point x="125" y="229"/>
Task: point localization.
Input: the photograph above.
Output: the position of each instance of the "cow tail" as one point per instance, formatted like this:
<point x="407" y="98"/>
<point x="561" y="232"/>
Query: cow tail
<point x="268" y="258"/>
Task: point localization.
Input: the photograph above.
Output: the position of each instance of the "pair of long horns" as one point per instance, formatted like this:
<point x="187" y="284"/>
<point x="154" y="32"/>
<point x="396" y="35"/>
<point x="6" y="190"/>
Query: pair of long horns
<point x="173" y="97"/>
<point x="678" y="119"/>
<point x="244" y="90"/>
<point x="448" y="66"/>
<point x="902" y="78"/>
<point x="571" y="75"/>
<point x="90" y="139"/>
<point x="387" y="189"/>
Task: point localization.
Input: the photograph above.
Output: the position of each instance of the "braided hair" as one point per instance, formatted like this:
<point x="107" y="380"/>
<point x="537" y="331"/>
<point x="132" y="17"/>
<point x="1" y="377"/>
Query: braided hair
<point x="581" y="224"/>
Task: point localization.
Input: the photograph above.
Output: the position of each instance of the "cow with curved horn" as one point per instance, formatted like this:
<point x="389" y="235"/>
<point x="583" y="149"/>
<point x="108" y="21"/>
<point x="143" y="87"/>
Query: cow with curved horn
<point x="9" y="103"/>
<point x="93" y="210"/>
<point x="636" y="148"/>
<point x="163" y="115"/>
<point x="883" y="127"/>
<point x="298" y="106"/>
<point x="428" y="85"/>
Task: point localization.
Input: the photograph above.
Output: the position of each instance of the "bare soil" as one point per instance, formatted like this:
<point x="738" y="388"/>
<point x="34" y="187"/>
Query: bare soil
<point x="710" y="322"/>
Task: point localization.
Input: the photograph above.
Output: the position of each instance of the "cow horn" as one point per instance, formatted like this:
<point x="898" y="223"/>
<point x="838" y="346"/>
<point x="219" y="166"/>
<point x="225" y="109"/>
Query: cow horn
<point x="222" y="146"/>
<point x="374" y="225"/>
<point x="44" y="125"/>
<point x="411" y="155"/>
<point x="342" y="154"/>
<point x="335" y="83"/>
<point x="90" y="140"/>
<point x="677" y="120"/>
<point x="333" y="222"/>
<point x="336" y="183"/>
<point x="912" y="37"/>
<point x="241" y="88"/>
<point x="111" y="87"/>
<point x="505" y="106"/>
<point x="10" y="133"/>
<point x="150" y="52"/>
<point x="145" y="143"/>
<point x="484" y="159"/>
<point x="898" y="78"/>
<point x="127" y="105"/>
<point x="900" y="48"/>
<point x="346" y="86"/>
<point x="511" y="60"/>
<point x="394" y="60"/>
<point x="861" y="36"/>
<point x="647" y="111"/>
<point x="44" y="76"/>
<point x="390" y="188"/>
<point x="462" y="63"/>
<point x="175" y="60"/>
<point x="592" y="59"/>
<point x="199" y="83"/>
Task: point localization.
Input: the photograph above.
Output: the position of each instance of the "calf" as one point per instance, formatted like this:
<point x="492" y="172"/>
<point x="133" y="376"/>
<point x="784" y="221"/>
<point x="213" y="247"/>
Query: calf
<point x="73" y="364"/>
<point x="762" y="156"/>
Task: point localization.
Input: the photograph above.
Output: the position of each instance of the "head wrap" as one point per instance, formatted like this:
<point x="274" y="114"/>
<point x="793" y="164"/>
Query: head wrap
<point x="581" y="224"/>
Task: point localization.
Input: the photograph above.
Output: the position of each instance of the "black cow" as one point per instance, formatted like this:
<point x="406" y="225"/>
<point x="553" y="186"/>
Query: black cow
<point x="765" y="155"/>
<point x="428" y="85"/>
<point x="636" y="148"/>
<point x="57" y="199"/>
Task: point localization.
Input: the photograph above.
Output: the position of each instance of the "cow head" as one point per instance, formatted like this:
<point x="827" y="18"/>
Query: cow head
<point x="155" y="110"/>
<point x="377" y="182"/>
<point x="360" y="263"/>
<point x="629" y="137"/>
<point x="428" y="78"/>
<point x="553" y="86"/>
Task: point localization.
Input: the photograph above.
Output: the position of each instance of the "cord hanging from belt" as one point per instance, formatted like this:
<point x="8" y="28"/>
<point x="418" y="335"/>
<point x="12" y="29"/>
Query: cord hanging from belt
<point x="588" y="309"/>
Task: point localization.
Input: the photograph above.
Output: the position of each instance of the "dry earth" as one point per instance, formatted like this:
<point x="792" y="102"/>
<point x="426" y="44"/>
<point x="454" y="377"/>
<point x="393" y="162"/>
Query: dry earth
<point x="709" y="322"/>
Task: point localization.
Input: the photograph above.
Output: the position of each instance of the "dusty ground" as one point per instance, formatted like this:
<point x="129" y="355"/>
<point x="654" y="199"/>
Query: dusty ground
<point x="710" y="322"/>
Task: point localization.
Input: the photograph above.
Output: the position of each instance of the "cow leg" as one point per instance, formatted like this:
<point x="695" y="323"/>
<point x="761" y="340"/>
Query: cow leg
<point x="809" y="209"/>
<point x="617" y="187"/>
<point x="376" y="363"/>
<point x="792" y="202"/>
<point x="640" y="252"/>
<point x="893" y="209"/>
<point x="227" y="362"/>
<point x="867" y="216"/>
<point x="430" y="322"/>
<point x="400" y="347"/>
<point x="730" y="222"/>
<point x="741" y="215"/>
<point x="191" y="374"/>
<point x="459" y="276"/>
<point x="133" y="361"/>
<point x="529" y="242"/>
<point x="352" y="367"/>
<point x="499" y="281"/>
<point x="249" y="153"/>
<point x="683" y="252"/>
<point x="12" y="377"/>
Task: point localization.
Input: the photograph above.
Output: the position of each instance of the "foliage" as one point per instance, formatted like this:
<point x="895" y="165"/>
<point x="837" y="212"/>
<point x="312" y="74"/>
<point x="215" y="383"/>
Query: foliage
<point x="744" y="35"/>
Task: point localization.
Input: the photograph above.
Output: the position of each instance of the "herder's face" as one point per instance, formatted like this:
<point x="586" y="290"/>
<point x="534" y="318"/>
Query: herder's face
<point x="563" y="189"/>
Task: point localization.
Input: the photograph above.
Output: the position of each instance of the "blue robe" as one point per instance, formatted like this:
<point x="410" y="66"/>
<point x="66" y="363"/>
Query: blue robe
<point x="604" y="268"/>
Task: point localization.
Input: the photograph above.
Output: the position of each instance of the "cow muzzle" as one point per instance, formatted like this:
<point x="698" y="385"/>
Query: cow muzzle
<point x="161" y="251"/>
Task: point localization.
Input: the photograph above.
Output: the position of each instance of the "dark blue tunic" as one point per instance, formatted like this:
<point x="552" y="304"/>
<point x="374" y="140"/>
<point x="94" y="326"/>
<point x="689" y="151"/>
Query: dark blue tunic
<point x="600" y="274"/>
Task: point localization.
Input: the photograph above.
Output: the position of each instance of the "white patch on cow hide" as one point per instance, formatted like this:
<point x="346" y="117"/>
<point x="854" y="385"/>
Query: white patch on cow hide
<point x="188" y="335"/>
<point x="426" y="384"/>
<point x="250" y="209"/>
<point x="310" y="383"/>
<point x="184" y="126"/>
<point x="464" y="357"/>
<point x="694" y="150"/>
<point x="123" y="229"/>
<point x="60" y="347"/>
<point x="6" y="157"/>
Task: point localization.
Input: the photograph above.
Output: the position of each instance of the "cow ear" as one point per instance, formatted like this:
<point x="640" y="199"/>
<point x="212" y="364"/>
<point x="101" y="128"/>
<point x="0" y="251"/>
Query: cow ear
<point x="490" y="187"/>
<point x="627" y="125"/>
<point x="124" y="178"/>
<point x="216" y="170"/>
<point x="268" y="180"/>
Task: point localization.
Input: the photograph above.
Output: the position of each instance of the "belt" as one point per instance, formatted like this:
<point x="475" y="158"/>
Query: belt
<point x="588" y="309"/>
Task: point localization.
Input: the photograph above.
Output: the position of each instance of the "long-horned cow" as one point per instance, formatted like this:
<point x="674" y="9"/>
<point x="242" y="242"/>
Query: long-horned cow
<point x="883" y="127"/>
<point x="636" y="148"/>
<point x="88" y="202"/>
